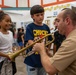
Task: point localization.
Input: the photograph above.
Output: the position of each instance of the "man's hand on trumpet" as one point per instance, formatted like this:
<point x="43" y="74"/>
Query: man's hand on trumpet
<point x="40" y="48"/>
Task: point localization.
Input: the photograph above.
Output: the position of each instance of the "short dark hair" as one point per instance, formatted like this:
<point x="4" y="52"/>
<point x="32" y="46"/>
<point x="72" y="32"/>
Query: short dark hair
<point x="69" y="12"/>
<point x="36" y="9"/>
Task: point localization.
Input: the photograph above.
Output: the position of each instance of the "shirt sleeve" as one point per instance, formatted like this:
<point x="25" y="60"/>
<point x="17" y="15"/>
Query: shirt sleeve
<point x="65" y="55"/>
<point x="29" y="34"/>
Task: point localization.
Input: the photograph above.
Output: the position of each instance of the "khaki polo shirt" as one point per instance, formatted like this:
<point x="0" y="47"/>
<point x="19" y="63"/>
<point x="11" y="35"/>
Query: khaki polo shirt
<point x="64" y="59"/>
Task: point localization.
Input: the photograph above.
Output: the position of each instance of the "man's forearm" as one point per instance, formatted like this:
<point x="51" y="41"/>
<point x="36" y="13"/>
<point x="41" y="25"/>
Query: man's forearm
<point x="46" y="62"/>
<point x="45" y="59"/>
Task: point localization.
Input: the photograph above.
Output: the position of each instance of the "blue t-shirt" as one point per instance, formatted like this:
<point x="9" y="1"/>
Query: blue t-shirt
<point x="33" y="31"/>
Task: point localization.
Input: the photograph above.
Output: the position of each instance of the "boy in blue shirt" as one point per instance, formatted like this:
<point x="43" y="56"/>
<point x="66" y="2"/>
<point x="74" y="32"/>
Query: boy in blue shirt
<point x="34" y="30"/>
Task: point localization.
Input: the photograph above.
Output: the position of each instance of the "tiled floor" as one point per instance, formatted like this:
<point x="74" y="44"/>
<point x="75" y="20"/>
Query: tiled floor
<point x="21" y="70"/>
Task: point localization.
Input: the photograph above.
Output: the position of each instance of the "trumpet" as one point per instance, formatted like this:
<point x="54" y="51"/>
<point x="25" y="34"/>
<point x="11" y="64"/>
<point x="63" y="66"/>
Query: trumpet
<point x="12" y="56"/>
<point x="31" y="52"/>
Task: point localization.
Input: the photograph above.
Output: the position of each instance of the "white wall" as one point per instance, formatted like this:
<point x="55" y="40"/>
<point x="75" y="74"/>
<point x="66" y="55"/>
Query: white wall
<point x="22" y="3"/>
<point x="48" y="1"/>
<point x="0" y="2"/>
<point x="11" y="3"/>
<point x="35" y="2"/>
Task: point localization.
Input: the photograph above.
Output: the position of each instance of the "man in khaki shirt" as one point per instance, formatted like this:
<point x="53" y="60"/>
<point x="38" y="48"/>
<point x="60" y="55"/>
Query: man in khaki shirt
<point x="64" y="60"/>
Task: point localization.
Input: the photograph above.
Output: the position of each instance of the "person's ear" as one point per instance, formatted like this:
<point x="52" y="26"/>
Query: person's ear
<point x="68" y="20"/>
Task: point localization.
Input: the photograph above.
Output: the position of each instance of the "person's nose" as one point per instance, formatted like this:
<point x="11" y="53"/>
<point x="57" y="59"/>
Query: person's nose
<point x="55" y="25"/>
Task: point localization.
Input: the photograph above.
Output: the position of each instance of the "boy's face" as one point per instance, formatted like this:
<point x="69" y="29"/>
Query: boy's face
<point x="38" y="18"/>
